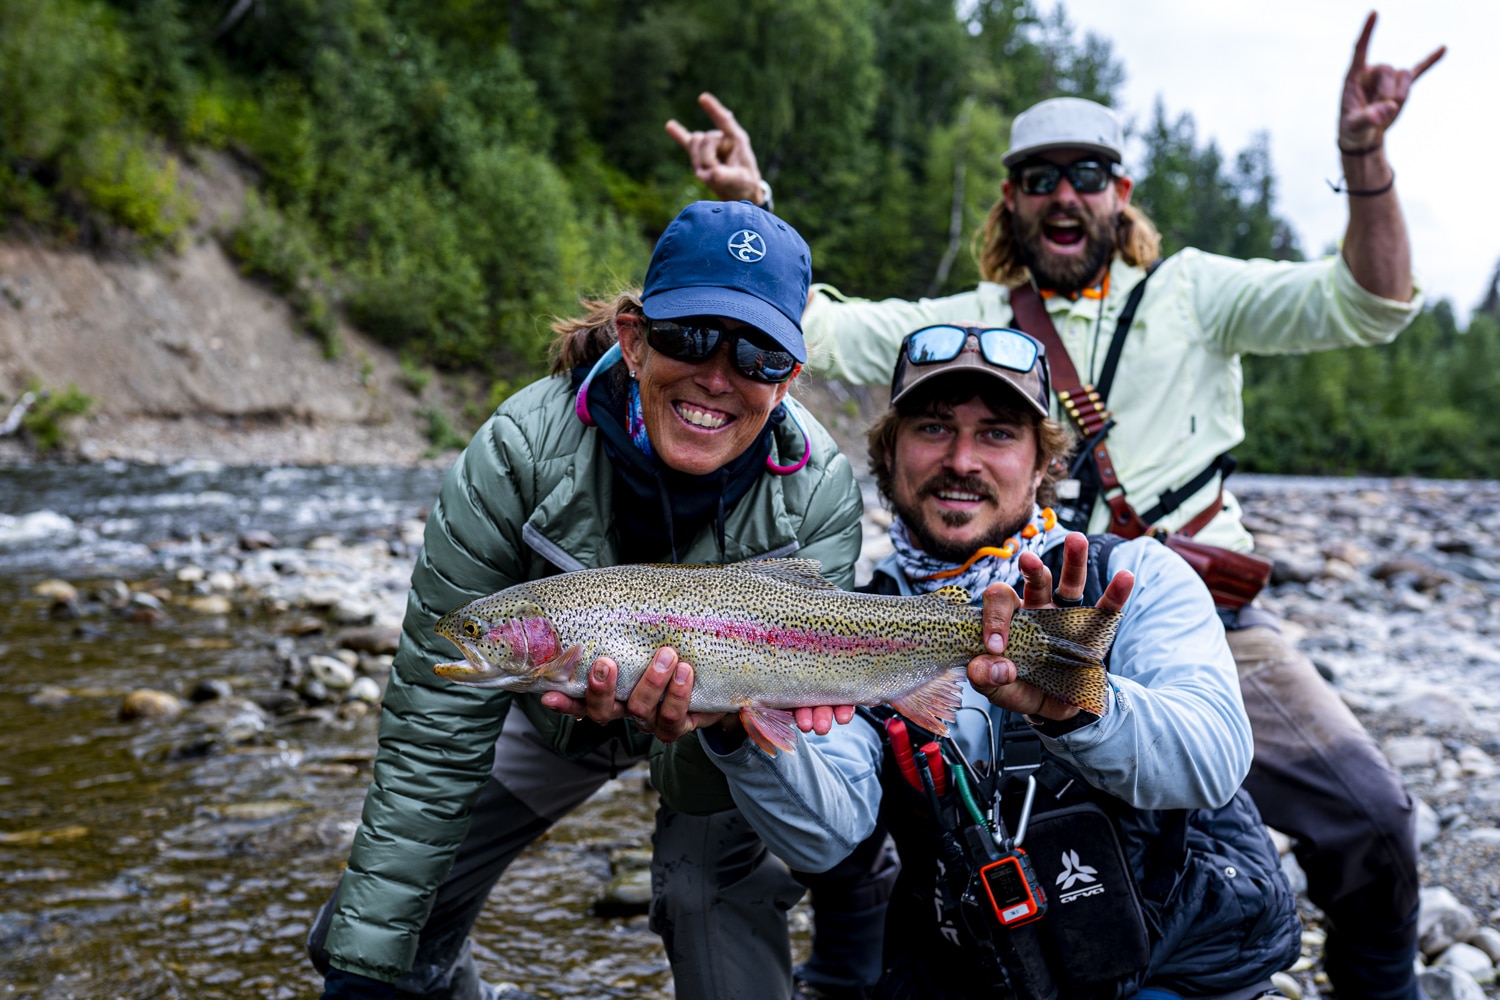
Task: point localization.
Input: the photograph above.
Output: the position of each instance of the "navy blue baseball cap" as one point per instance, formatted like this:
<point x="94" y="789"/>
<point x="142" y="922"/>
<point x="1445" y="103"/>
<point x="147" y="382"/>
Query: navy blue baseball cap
<point x="732" y="259"/>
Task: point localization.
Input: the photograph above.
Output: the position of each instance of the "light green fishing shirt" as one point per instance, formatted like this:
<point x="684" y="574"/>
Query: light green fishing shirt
<point x="1176" y="393"/>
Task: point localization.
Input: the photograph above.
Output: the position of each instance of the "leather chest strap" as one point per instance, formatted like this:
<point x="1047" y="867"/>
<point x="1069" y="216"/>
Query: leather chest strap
<point x="1083" y="404"/>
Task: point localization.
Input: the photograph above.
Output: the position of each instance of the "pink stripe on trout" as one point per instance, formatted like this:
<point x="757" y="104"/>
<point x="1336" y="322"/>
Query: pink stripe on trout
<point x="764" y="638"/>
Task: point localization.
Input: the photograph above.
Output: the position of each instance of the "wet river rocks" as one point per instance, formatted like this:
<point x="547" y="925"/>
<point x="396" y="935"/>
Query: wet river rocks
<point x="1392" y="588"/>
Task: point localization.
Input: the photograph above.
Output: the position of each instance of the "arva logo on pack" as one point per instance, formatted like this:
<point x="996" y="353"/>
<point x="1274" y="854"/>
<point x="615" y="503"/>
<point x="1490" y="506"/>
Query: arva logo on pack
<point x="1075" y="872"/>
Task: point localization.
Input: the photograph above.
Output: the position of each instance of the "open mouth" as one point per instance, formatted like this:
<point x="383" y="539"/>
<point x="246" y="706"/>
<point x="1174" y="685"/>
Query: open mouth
<point x="1065" y="233"/>
<point x="701" y="417"/>
<point x="468" y="670"/>
<point x="475" y="670"/>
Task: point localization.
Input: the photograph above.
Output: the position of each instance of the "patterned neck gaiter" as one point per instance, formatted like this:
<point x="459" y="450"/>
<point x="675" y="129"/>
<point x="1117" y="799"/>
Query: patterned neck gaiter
<point x="988" y="565"/>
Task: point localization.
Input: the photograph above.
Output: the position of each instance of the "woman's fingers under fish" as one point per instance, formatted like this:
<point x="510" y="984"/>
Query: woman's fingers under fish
<point x="822" y="718"/>
<point x="600" y="703"/>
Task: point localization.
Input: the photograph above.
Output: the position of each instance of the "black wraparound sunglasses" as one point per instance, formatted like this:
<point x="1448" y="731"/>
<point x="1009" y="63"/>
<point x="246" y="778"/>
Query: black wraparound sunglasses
<point x="750" y="351"/>
<point x="1086" y="176"/>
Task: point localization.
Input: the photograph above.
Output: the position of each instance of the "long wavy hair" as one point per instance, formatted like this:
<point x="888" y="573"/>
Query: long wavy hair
<point x="582" y="340"/>
<point x="1053" y="440"/>
<point x="1136" y="241"/>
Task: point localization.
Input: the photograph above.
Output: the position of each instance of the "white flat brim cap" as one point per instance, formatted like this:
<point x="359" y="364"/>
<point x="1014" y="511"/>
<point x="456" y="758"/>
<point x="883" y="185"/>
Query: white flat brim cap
<point x="1065" y="123"/>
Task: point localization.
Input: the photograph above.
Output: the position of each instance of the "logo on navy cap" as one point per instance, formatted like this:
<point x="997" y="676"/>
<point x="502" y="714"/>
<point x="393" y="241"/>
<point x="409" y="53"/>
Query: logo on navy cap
<point x="747" y="245"/>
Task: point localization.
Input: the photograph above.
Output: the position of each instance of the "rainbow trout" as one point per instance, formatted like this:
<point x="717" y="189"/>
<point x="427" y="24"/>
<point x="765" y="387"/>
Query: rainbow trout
<point x="766" y="637"/>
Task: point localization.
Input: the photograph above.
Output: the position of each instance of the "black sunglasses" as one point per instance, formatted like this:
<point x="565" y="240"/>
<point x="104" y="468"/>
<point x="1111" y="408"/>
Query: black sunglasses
<point x="1042" y="176"/>
<point x="694" y="340"/>
<point x="1000" y="346"/>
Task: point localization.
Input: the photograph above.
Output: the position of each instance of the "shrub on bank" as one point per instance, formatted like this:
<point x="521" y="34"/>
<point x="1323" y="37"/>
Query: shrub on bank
<point x="44" y="421"/>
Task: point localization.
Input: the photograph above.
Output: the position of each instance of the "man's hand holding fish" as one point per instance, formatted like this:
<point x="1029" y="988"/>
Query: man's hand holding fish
<point x="1156" y="735"/>
<point x="993" y="674"/>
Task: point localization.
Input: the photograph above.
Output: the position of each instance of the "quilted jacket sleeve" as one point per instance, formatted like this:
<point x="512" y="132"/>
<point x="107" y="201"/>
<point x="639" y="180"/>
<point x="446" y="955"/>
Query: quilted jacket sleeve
<point x="436" y="738"/>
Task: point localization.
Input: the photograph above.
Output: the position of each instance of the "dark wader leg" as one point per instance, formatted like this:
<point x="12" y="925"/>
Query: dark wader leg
<point x="719" y="900"/>
<point x="530" y="788"/>
<point x="849" y="905"/>
<point x="1319" y="777"/>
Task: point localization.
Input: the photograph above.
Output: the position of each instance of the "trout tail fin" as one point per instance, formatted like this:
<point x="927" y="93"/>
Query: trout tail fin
<point x="1085" y="687"/>
<point x="1079" y="636"/>
<point x="1070" y="664"/>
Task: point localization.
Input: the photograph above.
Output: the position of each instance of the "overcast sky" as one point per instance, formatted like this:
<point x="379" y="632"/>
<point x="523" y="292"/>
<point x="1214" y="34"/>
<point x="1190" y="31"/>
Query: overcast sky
<point x="1278" y="65"/>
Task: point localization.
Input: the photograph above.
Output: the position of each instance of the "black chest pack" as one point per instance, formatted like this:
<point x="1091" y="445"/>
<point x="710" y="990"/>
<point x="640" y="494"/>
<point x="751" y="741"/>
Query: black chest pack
<point x="1041" y="885"/>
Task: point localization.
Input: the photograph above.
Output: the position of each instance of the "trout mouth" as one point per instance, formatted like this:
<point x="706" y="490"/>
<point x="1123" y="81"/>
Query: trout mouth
<point x="472" y="669"/>
<point x="477" y="671"/>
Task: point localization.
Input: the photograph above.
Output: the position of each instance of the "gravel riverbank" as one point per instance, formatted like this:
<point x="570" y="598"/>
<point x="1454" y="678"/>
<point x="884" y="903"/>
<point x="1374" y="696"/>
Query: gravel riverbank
<point x="1392" y="588"/>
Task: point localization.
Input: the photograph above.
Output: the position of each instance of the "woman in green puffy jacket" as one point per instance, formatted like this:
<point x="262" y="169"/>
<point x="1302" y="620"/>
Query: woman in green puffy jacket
<point x="664" y="434"/>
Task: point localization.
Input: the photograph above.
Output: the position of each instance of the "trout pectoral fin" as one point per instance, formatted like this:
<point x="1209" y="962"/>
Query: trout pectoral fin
<point x="560" y="668"/>
<point x="772" y="729"/>
<point x="935" y="704"/>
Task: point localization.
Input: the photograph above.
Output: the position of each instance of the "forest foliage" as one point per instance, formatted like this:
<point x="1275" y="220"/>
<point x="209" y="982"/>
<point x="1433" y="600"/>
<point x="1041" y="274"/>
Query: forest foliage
<point x="448" y="175"/>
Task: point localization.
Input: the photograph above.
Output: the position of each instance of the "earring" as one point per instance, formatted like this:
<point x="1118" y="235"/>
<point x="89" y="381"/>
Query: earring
<point x="632" y="374"/>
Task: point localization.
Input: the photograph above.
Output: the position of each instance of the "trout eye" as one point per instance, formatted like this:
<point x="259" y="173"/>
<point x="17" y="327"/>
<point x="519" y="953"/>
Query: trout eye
<point x="471" y="629"/>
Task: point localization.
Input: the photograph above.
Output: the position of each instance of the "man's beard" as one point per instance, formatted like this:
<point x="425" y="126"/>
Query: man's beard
<point x="916" y="525"/>
<point x="1072" y="274"/>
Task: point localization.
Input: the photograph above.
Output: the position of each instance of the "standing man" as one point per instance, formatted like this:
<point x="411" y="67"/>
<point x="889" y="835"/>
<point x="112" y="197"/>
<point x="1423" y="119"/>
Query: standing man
<point x="1064" y="232"/>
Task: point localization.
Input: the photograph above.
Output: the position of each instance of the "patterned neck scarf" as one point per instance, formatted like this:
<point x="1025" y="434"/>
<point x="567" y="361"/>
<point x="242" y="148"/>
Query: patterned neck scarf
<point x="635" y="420"/>
<point x="927" y="573"/>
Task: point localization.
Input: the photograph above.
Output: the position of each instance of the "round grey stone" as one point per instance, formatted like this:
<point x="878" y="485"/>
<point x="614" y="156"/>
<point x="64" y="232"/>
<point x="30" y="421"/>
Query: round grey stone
<point x="1449" y="984"/>
<point x="1470" y="959"/>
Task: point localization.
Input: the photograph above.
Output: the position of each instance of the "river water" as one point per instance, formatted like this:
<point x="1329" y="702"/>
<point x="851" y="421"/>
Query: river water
<point x="149" y="859"/>
<point x="183" y="858"/>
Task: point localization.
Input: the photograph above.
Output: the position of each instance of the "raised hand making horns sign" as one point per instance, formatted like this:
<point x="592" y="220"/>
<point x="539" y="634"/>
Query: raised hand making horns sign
<point x="1374" y="95"/>
<point x="722" y="156"/>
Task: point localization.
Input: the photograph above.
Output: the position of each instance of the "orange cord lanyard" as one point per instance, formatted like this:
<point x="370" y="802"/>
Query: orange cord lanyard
<point x="1006" y="551"/>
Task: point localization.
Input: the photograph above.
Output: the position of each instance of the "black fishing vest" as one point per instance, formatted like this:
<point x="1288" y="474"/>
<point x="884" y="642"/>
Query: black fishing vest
<point x="1113" y="875"/>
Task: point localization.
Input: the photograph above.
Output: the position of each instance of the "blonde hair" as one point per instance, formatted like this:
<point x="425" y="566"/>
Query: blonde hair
<point x="994" y="247"/>
<point x="582" y="340"/>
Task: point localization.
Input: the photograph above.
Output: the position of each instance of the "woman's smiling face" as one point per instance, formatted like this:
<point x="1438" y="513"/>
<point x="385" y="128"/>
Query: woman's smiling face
<point x="699" y="416"/>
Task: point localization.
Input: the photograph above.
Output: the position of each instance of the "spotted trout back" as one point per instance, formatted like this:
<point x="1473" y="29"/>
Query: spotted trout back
<point x="761" y="636"/>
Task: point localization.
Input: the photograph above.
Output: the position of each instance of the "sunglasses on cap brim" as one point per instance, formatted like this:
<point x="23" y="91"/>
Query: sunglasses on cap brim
<point x="1043" y="176"/>
<point x="999" y="345"/>
<point x="752" y="353"/>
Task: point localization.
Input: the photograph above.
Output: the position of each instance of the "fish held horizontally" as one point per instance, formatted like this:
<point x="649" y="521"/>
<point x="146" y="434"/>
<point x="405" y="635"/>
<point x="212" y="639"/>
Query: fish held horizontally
<point x="766" y="637"/>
